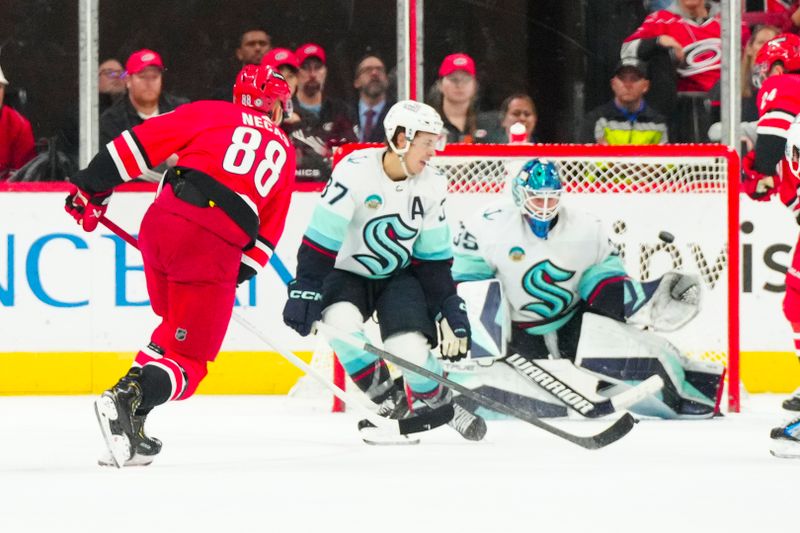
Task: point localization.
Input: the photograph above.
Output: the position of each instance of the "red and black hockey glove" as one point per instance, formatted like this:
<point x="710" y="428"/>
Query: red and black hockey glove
<point x="245" y="273"/>
<point x="759" y="187"/>
<point x="87" y="208"/>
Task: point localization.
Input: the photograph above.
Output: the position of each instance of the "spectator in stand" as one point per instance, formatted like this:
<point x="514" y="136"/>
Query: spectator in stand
<point x="517" y="108"/>
<point x="110" y="89"/>
<point x="284" y="61"/>
<point x="749" y="107"/>
<point x="626" y="119"/>
<point x="690" y="33"/>
<point x="784" y="14"/>
<point x="254" y="43"/>
<point x="144" y="81"/>
<point x="759" y="36"/>
<point x="455" y="98"/>
<point x="324" y="121"/>
<point x="16" y="136"/>
<point x="110" y="83"/>
<point x="372" y="84"/>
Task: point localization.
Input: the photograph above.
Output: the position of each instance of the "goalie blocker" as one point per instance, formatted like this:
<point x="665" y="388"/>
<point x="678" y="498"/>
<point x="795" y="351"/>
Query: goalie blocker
<point x="610" y="356"/>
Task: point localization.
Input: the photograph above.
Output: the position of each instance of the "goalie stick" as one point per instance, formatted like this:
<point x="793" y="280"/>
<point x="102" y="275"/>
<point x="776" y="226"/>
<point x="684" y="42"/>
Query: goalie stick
<point x="611" y="434"/>
<point x="403" y="427"/>
<point x="576" y="399"/>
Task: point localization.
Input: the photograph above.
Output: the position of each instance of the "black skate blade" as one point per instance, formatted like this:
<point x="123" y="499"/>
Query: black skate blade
<point x="375" y="436"/>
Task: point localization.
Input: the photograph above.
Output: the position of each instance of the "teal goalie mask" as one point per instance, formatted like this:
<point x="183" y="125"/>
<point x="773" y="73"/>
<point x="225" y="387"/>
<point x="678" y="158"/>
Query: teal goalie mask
<point x="537" y="192"/>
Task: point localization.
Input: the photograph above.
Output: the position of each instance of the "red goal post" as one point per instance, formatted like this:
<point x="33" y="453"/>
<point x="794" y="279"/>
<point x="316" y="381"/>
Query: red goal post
<point x="690" y="191"/>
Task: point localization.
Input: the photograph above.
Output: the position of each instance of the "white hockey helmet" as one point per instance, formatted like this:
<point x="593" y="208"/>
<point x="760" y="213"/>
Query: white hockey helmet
<point x="792" y="150"/>
<point x="413" y="117"/>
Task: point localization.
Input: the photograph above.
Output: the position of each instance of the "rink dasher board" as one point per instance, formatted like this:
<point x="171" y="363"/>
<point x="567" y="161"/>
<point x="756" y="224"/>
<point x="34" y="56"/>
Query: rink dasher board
<point x="63" y="290"/>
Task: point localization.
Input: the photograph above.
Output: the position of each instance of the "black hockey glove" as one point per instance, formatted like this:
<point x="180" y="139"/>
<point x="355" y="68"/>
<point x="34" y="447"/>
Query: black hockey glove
<point x="454" y="329"/>
<point x="304" y="306"/>
<point x="245" y="273"/>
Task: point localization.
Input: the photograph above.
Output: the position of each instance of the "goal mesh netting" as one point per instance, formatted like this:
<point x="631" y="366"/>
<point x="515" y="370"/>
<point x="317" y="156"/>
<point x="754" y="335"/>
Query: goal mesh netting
<point x="687" y="191"/>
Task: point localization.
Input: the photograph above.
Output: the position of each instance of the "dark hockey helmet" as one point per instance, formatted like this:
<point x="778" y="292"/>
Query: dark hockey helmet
<point x="264" y="88"/>
<point x="784" y="48"/>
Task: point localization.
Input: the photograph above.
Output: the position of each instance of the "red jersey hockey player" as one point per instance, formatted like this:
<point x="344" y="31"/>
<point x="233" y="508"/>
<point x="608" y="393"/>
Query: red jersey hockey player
<point x="229" y="192"/>
<point x="765" y="170"/>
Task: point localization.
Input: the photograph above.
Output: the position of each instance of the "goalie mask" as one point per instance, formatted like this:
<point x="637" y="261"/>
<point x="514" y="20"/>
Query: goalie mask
<point x="263" y="88"/>
<point x="785" y="48"/>
<point x="537" y="192"/>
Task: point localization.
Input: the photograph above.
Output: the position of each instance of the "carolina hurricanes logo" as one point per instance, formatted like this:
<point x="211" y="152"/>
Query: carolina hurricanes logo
<point x="701" y="56"/>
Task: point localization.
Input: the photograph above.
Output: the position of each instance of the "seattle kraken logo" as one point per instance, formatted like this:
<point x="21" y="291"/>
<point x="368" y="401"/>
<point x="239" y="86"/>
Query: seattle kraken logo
<point x="540" y="281"/>
<point x="382" y="236"/>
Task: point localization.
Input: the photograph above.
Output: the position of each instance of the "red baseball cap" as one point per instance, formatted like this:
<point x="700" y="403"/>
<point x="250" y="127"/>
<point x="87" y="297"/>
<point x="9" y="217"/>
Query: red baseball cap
<point x="455" y="62"/>
<point x="277" y="57"/>
<point x="307" y="50"/>
<point x="142" y="59"/>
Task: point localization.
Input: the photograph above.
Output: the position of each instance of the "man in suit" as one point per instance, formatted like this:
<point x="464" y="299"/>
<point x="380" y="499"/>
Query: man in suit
<point x="372" y="83"/>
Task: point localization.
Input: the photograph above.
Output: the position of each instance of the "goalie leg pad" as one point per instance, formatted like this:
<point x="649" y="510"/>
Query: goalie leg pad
<point x="488" y="317"/>
<point x="619" y="353"/>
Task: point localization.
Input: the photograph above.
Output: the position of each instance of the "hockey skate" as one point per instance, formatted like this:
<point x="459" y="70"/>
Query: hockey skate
<point x="122" y="429"/>
<point x="793" y="402"/>
<point x="395" y="407"/>
<point x="468" y="424"/>
<point x="786" y="440"/>
<point x="144" y="451"/>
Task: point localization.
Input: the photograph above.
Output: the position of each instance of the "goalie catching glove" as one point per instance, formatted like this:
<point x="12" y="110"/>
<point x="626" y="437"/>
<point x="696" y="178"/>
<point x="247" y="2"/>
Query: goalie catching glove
<point x="454" y="329"/>
<point x="304" y="306"/>
<point x="87" y="208"/>
<point x="670" y="302"/>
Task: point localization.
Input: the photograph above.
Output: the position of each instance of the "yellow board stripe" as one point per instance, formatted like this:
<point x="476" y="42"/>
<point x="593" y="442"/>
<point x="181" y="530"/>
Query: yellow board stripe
<point x="92" y="373"/>
<point x="770" y="371"/>
<point x="269" y="373"/>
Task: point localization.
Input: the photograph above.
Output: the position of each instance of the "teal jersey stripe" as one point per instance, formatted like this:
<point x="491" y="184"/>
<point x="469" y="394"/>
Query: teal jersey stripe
<point x="433" y="244"/>
<point x="441" y="255"/>
<point x="327" y="228"/>
<point x="470" y="268"/>
<point x="610" y="267"/>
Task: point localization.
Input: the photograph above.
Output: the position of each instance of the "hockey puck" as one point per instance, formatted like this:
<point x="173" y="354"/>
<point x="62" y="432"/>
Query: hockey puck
<point x="666" y="236"/>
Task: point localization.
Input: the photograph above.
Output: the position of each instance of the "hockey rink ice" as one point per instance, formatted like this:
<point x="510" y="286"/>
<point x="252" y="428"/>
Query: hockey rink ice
<point x="273" y="464"/>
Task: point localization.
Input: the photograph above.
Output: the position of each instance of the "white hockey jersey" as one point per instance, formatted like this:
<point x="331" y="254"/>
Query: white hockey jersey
<point x="376" y="226"/>
<point x="543" y="279"/>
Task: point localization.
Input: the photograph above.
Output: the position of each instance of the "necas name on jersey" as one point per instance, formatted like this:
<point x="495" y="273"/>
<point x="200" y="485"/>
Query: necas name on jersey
<point x="261" y="121"/>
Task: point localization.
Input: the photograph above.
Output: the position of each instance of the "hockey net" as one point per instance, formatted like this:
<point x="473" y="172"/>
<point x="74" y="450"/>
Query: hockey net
<point x="687" y="191"/>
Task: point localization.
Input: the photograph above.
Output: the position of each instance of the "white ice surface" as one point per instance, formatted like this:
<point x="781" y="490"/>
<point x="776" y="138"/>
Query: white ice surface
<point x="256" y="463"/>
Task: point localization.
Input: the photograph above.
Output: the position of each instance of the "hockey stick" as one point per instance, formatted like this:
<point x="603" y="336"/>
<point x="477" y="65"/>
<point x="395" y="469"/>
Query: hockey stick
<point x="611" y="434"/>
<point x="414" y="424"/>
<point x="575" y="399"/>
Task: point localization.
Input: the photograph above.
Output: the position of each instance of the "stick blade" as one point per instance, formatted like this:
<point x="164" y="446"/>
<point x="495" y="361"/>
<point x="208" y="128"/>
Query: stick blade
<point x="611" y="434"/>
<point x="427" y="421"/>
